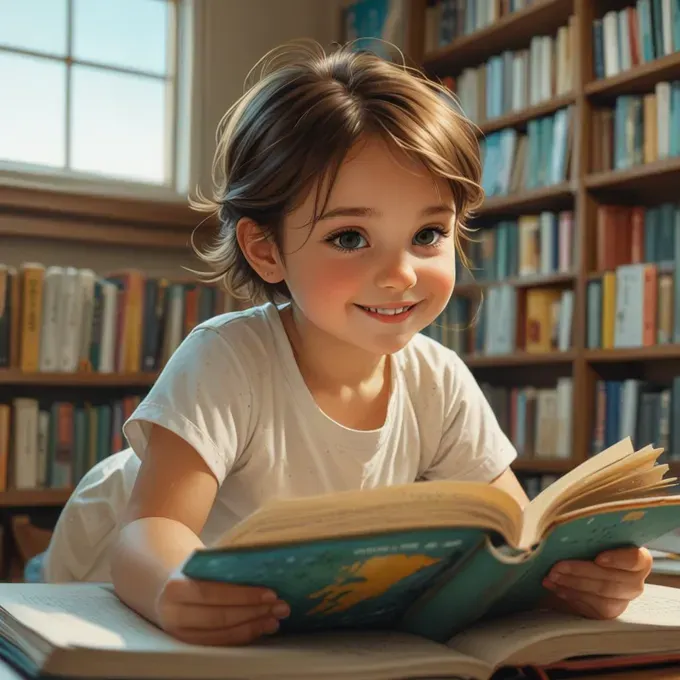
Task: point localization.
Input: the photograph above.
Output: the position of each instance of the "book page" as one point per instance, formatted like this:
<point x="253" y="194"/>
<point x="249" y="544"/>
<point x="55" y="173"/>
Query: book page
<point x="87" y="616"/>
<point x="561" y="489"/>
<point x="423" y="505"/>
<point x="74" y="614"/>
<point x="658" y="609"/>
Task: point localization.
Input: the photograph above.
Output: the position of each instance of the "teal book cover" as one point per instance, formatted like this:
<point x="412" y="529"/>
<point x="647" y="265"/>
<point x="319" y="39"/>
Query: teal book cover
<point x="358" y="582"/>
<point x="432" y="583"/>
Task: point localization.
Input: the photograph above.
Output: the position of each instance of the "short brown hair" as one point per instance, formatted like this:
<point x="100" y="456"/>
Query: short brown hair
<point x="295" y="125"/>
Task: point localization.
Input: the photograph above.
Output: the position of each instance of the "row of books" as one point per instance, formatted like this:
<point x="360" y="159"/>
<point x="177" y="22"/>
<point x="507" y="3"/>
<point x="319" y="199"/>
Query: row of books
<point x="446" y="20"/>
<point x="634" y="35"/>
<point x="506" y="320"/>
<point x="515" y="80"/>
<point x="633" y="306"/>
<point x="514" y="161"/>
<point x="639" y="129"/>
<point x="64" y="319"/>
<point x="530" y="246"/>
<point x="52" y="444"/>
<point x="645" y="412"/>
<point x="631" y="234"/>
<point x="537" y="420"/>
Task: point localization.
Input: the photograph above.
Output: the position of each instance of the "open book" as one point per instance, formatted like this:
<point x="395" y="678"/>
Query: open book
<point x="431" y="558"/>
<point x="82" y="630"/>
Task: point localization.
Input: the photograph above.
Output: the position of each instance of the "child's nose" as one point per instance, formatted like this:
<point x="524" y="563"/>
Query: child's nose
<point x="397" y="273"/>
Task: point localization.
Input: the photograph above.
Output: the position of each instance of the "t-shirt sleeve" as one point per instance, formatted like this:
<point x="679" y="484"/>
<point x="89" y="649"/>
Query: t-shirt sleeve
<point x="203" y="396"/>
<point x="473" y="446"/>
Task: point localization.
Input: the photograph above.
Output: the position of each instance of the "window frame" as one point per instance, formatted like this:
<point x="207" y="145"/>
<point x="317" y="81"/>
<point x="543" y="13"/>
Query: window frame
<point x="179" y="76"/>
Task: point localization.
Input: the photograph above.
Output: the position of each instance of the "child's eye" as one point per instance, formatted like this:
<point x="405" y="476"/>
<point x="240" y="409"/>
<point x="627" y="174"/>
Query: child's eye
<point x="348" y="240"/>
<point x="430" y="236"/>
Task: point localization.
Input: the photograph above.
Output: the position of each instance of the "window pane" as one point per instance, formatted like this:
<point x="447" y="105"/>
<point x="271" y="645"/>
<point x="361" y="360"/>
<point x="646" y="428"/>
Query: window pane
<point x="36" y="25"/>
<point x="33" y="110"/>
<point x="118" y="124"/>
<point x="125" y="33"/>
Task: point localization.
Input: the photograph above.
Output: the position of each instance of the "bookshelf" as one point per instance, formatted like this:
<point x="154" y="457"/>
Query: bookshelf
<point x="517" y="118"/>
<point x="94" y="220"/>
<point x="107" y="233"/>
<point x="158" y="230"/>
<point x="512" y="31"/>
<point x="533" y="200"/>
<point x="584" y="191"/>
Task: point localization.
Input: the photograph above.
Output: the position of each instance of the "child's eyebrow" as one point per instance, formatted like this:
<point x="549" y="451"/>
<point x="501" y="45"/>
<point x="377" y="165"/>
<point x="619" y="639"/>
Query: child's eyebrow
<point x="371" y="212"/>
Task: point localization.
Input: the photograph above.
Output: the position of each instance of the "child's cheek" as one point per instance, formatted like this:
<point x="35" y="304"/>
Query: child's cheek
<point x="439" y="275"/>
<point x="332" y="282"/>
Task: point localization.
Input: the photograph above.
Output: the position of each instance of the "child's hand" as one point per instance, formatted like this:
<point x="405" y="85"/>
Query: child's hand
<point x="601" y="589"/>
<point x="211" y="613"/>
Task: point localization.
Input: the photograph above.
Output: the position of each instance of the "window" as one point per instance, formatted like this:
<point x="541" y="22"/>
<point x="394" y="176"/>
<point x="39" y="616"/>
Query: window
<point x="89" y="88"/>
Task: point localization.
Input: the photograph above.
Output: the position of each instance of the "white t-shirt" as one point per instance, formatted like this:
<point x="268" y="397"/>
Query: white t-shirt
<point x="234" y="392"/>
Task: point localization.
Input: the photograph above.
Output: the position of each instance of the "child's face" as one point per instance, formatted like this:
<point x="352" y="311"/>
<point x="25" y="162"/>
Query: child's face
<point x="386" y="242"/>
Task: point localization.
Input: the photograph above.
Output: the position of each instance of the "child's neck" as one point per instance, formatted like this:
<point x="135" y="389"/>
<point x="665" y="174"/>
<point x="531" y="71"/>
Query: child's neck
<point x="348" y="384"/>
<point x="330" y="362"/>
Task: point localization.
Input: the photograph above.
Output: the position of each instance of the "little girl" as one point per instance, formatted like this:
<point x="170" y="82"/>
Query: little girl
<point x="343" y="186"/>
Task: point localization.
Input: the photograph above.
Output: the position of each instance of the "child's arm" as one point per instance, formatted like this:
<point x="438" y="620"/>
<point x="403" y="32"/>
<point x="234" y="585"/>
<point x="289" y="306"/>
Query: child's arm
<point x="601" y="589"/>
<point x="173" y="495"/>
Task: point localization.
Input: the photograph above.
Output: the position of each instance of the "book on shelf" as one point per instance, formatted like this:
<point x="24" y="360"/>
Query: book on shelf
<point x="448" y="20"/>
<point x="66" y="319"/>
<point x="82" y="630"/>
<point x="51" y="443"/>
<point x="513" y="81"/>
<point x="537" y="420"/>
<point x="632" y="303"/>
<point x="433" y="558"/>
<point x="514" y="161"/>
<point x="525" y="248"/>
<point x="637" y="34"/>
<point x="642" y="409"/>
<point x="507" y="318"/>
<point x="638" y="129"/>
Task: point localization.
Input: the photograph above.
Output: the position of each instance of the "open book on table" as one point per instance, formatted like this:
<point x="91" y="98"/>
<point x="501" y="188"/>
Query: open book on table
<point x="431" y="558"/>
<point x="82" y="630"/>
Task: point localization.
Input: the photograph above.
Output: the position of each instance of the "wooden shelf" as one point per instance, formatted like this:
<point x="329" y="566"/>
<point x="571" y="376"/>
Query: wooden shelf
<point x="163" y="214"/>
<point x="647" y="182"/>
<point x="542" y="466"/>
<point x="543" y="281"/>
<point x="20" y="498"/>
<point x="83" y="379"/>
<point x="519" y="119"/>
<point x="638" y="80"/>
<point x="661" y="268"/>
<point x="651" y="353"/>
<point x="518" y="359"/>
<point x="511" y="32"/>
<point x="557" y="197"/>
<point x="59" y="229"/>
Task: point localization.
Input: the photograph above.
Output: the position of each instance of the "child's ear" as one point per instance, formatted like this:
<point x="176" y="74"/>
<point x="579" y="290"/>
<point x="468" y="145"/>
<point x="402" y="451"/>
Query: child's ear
<point x="260" y="251"/>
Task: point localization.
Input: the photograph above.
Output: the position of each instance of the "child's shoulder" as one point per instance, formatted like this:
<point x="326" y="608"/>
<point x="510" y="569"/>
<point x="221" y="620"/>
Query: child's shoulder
<point x="257" y="322"/>
<point x="425" y="360"/>
<point x="251" y="333"/>
<point x="424" y="351"/>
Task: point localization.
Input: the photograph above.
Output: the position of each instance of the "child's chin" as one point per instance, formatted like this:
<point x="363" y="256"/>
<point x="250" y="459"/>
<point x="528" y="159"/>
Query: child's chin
<point x="391" y="345"/>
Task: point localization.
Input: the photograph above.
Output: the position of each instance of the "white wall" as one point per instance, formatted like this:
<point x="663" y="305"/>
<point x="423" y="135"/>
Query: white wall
<point x="231" y="36"/>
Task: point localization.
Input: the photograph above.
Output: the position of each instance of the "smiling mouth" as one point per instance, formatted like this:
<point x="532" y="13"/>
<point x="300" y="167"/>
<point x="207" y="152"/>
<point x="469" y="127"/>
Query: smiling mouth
<point x="389" y="311"/>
